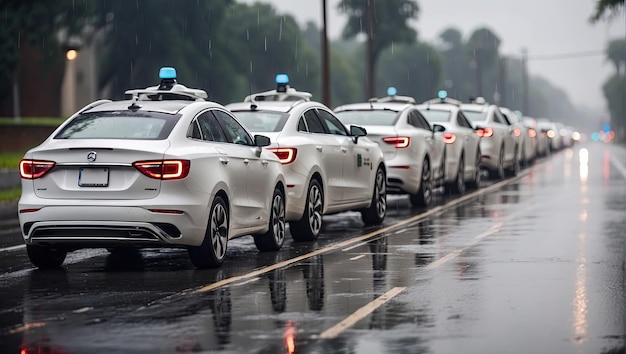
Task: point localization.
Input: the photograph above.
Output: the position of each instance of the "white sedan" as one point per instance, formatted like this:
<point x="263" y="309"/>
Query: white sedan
<point x="328" y="168"/>
<point x="164" y="169"/>
<point x="414" y="154"/>
<point x="463" y="153"/>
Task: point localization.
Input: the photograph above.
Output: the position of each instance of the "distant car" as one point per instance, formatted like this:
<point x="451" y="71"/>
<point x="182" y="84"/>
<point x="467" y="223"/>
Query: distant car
<point x="524" y="140"/>
<point x="541" y="139"/>
<point x="164" y="169"/>
<point x="414" y="154"/>
<point x="498" y="145"/>
<point x="551" y="130"/>
<point x="463" y="153"/>
<point x="328" y="167"/>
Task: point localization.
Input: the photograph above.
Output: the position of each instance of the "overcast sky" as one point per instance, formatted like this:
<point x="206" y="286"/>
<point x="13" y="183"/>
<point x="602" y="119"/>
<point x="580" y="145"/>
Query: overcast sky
<point x="543" y="27"/>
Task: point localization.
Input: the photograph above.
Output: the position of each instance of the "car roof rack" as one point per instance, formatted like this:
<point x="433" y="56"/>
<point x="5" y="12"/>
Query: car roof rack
<point x="168" y="89"/>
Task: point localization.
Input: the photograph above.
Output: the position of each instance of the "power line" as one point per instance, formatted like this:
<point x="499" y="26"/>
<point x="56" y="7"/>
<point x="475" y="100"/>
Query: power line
<point x="572" y="55"/>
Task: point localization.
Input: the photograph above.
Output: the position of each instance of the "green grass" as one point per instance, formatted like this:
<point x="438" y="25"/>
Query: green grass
<point x="10" y="194"/>
<point x="11" y="159"/>
<point x="45" y="121"/>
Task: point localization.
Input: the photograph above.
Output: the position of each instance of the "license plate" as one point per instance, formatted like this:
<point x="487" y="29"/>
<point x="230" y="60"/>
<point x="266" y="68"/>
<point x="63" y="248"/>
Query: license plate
<point x="93" y="177"/>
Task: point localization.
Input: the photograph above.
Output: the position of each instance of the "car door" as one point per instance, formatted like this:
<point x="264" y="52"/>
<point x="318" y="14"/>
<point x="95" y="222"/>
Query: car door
<point x="248" y="171"/>
<point x="356" y="160"/>
<point x="471" y="141"/>
<point x="506" y="133"/>
<point x="434" y="143"/>
<point x="329" y="153"/>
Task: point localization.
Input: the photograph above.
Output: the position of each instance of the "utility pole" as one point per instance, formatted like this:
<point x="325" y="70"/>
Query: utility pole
<point x="325" y="60"/>
<point x="525" y="105"/>
<point x="370" y="91"/>
<point x="502" y="82"/>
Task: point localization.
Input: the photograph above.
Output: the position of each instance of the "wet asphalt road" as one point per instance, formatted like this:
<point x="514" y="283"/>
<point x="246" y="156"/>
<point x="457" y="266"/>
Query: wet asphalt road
<point x="532" y="264"/>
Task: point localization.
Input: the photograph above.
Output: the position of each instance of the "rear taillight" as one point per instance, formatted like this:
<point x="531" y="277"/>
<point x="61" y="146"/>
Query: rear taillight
<point x="164" y="169"/>
<point x="532" y="132"/>
<point x="32" y="169"/>
<point x="517" y="132"/>
<point x="449" y="138"/>
<point x="484" y="132"/>
<point x="398" y="141"/>
<point x="285" y="155"/>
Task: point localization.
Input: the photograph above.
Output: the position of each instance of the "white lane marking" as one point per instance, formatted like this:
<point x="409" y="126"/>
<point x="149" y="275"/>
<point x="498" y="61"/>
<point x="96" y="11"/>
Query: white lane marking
<point x="247" y="281"/>
<point x="27" y="326"/>
<point x="12" y="248"/>
<point x="618" y="166"/>
<point x="359" y="239"/>
<point x="357" y="257"/>
<point x="493" y="229"/>
<point x="83" y="310"/>
<point x="360" y="314"/>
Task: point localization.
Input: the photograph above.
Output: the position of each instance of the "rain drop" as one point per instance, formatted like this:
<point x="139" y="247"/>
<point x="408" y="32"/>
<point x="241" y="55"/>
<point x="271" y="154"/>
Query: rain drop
<point x="266" y="44"/>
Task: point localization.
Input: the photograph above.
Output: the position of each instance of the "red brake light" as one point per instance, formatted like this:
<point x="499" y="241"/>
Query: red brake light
<point x="449" y="138"/>
<point x="517" y="132"/>
<point x="33" y="169"/>
<point x="399" y="141"/>
<point x="485" y="132"/>
<point x="285" y="155"/>
<point x="532" y="132"/>
<point x="164" y="169"/>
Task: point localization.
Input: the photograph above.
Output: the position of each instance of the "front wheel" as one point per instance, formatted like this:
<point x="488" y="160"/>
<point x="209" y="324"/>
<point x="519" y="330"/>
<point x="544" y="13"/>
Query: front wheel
<point x="475" y="183"/>
<point x="212" y="251"/>
<point x="377" y="210"/>
<point x="274" y="238"/>
<point x="45" y="257"/>
<point x="308" y="228"/>
<point x="424" y="195"/>
<point x="458" y="186"/>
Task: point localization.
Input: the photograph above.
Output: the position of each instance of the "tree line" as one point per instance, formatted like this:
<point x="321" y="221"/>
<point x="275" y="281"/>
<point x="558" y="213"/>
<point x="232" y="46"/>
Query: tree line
<point x="231" y="49"/>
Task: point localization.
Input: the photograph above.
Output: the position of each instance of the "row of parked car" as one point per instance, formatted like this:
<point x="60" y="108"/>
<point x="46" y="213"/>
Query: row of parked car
<point x="168" y="168"/>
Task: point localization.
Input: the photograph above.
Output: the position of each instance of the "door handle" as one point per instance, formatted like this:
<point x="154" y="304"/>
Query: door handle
<point x="344" y="150"/>
<point x="319" y="148"/>
<point x="246" y="161"/>
<point x="264" y="163"/>
<point x="224" y="161"/>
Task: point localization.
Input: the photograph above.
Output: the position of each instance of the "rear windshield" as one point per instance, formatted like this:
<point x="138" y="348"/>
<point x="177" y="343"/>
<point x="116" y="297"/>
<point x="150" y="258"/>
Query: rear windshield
<point x="433" y="116"/>
<point x="120" y="125"/>
<point x="368" y="117"/>
<point x="475" y="116"/>
<point x="262" y="121"/>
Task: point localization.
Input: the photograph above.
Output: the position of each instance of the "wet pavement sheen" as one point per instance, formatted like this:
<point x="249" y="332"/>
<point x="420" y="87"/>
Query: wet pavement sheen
<point x="534" y="264"/>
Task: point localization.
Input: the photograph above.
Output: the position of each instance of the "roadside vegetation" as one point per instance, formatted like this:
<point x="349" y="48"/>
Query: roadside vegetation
<point x="10" y="194"/>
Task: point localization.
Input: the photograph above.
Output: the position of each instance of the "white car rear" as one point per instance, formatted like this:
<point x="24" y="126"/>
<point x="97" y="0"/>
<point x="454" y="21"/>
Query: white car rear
<point x="142" y="173"/>
<point x="414" y="153"/>
<point x="328" y="168"/>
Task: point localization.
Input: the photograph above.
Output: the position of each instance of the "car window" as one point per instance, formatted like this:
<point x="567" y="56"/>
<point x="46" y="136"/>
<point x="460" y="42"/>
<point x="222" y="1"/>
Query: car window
<point x="462" y="120"/>
<point x="331" y="122"/>
<point x="498" y="118"/>
<point x="119" y="125"/>
<point x="235" y="133"/>
<point x="435" y="116"/>
<point x="368" y="117"/>
<point x="309" y="122"/>
<point x="262" y="121"/>
<point x="475" y="116"/>
<point x="416" y="120"/>
<point x="210" y="129"/>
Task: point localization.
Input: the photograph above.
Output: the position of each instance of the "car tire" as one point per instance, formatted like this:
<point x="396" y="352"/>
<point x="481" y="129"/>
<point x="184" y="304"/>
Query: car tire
<point x="212" y="251"/>
<point x="499" y="172"/>
<point x="375" y="214"/>
<point x="424" y="195"/>
<point x="475" y="183"/>
<point x="458" y="186"/>
<point x="308" y="228"/>
<point x="274" y="238"/>
<point x="46" y="257"/>
<point x="515" y="167"/>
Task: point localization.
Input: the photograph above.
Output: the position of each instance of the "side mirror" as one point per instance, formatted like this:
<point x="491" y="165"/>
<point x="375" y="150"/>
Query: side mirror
<point x="261" y="140"/>
<point x="356" y="132"/>
<point x="438" y="128"/>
